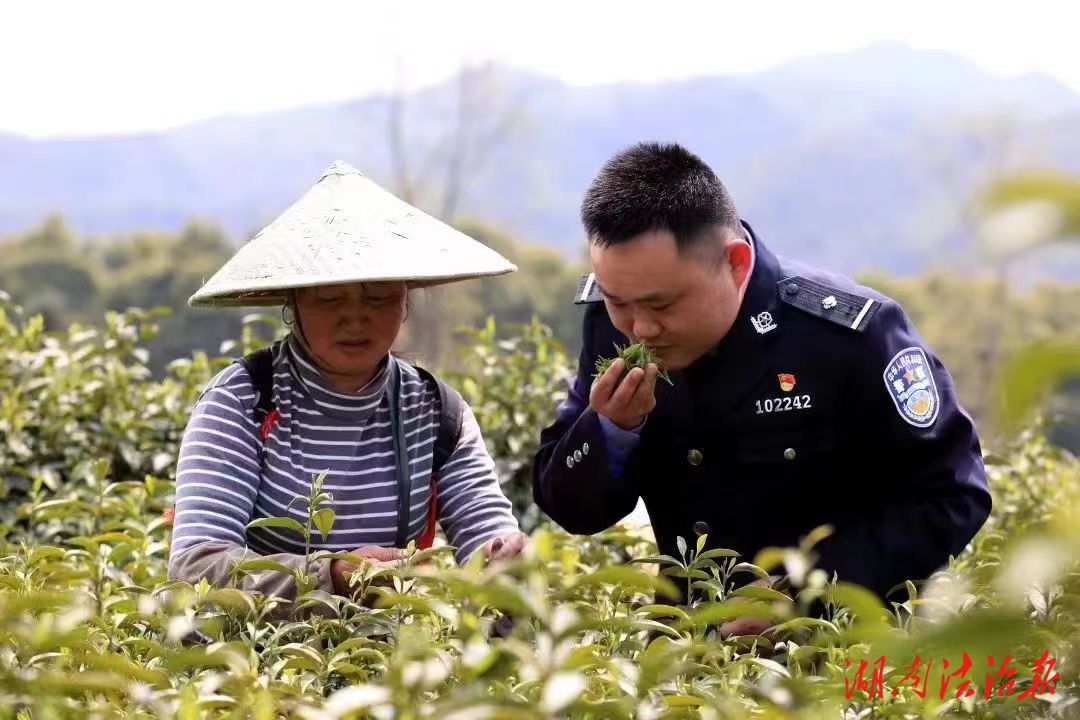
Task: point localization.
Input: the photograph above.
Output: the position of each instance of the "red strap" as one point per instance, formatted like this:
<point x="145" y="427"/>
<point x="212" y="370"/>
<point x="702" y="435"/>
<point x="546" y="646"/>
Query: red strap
<point x="268" y="423"/>
<point x="428" y="536"/>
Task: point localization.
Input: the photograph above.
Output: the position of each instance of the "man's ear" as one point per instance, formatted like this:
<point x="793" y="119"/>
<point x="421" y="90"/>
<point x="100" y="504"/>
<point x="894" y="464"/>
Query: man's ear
<point x="738" y="257"/>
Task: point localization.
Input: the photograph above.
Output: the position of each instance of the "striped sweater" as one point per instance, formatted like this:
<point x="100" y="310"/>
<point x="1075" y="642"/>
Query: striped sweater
<point x="226" y="476"/>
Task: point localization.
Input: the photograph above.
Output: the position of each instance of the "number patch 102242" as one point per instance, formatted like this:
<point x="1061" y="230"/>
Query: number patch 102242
<point x="783" y="404"/>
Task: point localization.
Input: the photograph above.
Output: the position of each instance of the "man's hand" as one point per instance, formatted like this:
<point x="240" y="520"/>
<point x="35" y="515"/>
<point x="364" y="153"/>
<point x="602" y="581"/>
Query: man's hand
<point x="625" y="403"/>
<point x="749" y="625"/>
<point x="745" y="626"/>
<point x="340" y="570"/>
<point x="505" y="546"/>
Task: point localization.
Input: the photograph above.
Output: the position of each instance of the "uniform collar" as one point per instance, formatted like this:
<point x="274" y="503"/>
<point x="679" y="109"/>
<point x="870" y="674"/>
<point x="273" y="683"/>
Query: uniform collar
<point x="758" y="320"/>
<point x="740" y="355"/>
<point x="759" y="314"/>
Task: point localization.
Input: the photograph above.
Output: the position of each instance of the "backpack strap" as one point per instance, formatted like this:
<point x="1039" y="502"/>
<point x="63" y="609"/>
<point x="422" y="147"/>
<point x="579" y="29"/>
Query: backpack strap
<point x="260" y="366"/>
<point x="401" y="455"/>
<point x="451" y="412"/>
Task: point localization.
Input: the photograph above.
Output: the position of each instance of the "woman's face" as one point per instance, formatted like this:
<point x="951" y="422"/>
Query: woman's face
<point x="350" y="328"/>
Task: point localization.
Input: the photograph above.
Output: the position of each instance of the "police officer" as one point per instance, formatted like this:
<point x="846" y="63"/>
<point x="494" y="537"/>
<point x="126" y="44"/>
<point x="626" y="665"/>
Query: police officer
<point x="798" y="397"/>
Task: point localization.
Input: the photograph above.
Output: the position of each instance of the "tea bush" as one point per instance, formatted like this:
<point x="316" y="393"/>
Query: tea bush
<point x="90" y="627"/>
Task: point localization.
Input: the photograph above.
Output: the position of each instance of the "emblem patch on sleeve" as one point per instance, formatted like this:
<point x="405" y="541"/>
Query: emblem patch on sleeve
<point x="911" y="386"/>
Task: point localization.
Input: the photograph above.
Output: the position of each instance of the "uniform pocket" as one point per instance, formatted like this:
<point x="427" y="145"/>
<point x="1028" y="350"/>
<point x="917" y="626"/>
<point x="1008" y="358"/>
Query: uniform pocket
<point x="789" y="447"/>
<point x="794" y="474"/>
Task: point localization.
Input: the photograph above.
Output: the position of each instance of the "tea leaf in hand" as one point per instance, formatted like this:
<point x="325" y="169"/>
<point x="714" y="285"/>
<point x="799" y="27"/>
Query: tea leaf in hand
<point x="637" y="355"/>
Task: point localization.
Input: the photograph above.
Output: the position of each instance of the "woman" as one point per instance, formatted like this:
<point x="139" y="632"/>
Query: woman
<point x="332" y="398"/>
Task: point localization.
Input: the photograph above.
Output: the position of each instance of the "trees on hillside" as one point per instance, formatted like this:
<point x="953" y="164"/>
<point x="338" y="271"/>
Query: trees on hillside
<point x="50" y="271"/>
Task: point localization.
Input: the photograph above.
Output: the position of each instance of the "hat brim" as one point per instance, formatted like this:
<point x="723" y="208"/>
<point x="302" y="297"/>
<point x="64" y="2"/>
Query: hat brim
<point x="346" y="229"/>
<point x="278" y="294"/>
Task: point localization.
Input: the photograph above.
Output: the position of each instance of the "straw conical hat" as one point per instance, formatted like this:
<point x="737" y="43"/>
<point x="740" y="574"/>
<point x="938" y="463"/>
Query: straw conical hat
<point x="347" y="229"/>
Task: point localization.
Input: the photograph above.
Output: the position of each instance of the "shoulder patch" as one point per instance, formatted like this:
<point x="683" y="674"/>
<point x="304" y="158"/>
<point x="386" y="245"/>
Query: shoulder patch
<point x="829" y="303"/>
<point x="587" y="292"/>
<point x="911" y="386"/>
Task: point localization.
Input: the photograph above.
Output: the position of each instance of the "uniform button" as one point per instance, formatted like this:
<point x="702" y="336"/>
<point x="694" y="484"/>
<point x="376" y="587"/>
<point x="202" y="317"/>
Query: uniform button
<point x="694" y="457"/>
<point x="585" y="449"/>
<point x="577" y="456"/>
<point x="791" y="289"/>
<point x="701" y="527"/>
<point x="569" y="461"/>
<point x="789" y="454"/>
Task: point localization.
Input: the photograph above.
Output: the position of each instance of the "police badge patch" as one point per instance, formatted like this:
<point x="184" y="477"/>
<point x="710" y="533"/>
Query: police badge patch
<point x="912" y="388"/>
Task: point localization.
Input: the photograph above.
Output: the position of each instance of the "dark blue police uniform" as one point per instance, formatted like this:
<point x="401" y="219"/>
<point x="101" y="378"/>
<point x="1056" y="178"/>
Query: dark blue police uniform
<point x="822" y="405"/>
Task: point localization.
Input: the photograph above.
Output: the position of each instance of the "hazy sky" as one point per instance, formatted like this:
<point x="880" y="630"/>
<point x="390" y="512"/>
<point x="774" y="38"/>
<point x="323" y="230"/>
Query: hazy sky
<point x="97" y="67"/>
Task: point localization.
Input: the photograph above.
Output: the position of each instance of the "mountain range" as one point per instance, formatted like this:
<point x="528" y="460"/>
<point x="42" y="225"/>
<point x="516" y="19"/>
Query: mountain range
<point x="870" y="159"/>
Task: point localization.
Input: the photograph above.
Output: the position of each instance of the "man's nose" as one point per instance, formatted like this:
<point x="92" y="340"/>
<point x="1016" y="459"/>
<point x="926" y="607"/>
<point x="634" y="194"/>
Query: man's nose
<point x="645" y="328"/>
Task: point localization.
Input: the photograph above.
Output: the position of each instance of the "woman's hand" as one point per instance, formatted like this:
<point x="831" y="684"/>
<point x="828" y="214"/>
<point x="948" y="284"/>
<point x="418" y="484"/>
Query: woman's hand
<point x="749" y="625"/>
<point x="340" y="570"/>
<point x="506" y="546"/>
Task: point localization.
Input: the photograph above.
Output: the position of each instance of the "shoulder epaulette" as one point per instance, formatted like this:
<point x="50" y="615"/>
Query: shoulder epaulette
<point x="587" y="291"/>
<point x="829" y="303"/>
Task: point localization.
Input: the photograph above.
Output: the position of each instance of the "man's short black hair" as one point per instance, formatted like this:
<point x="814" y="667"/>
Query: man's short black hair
<point x="654" y="186"/>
